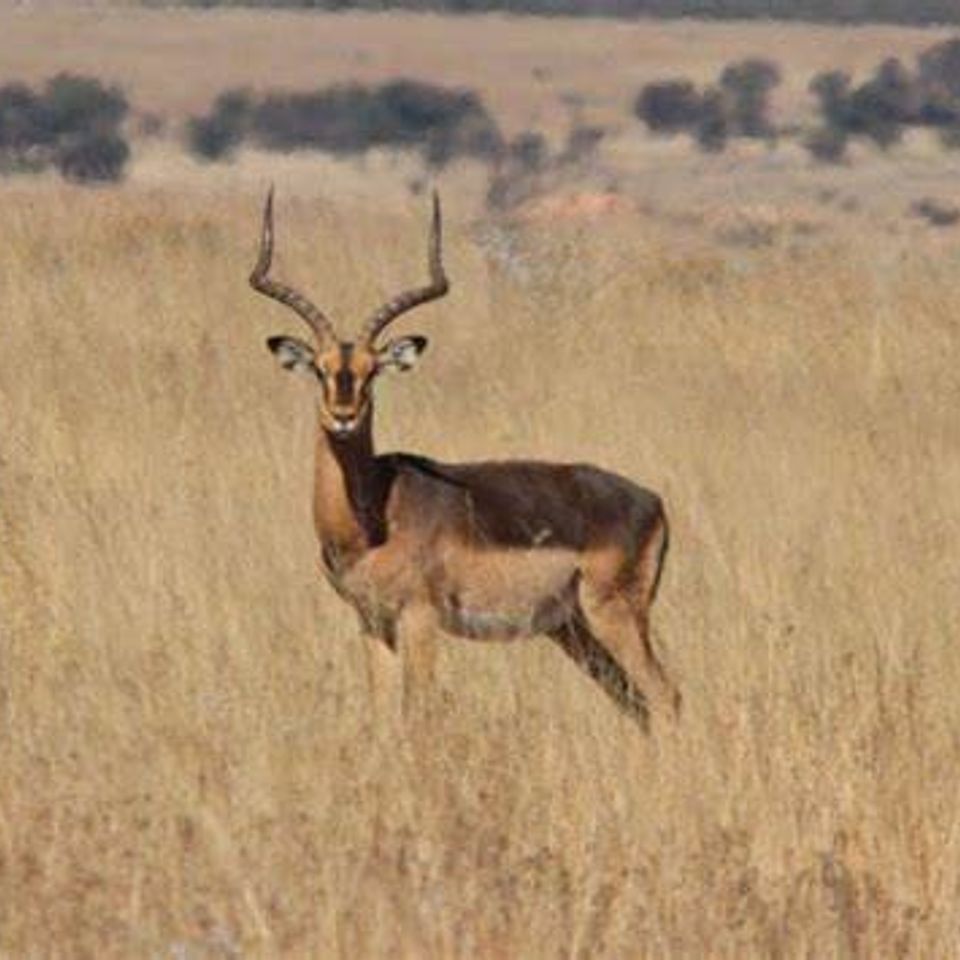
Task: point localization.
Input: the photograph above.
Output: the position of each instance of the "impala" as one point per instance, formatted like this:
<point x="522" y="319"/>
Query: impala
<point x="496" y="550"/>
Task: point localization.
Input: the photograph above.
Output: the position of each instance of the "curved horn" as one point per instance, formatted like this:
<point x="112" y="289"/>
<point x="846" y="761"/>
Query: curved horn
<point x="262" y="283"/>
<point x="403" y="302"/>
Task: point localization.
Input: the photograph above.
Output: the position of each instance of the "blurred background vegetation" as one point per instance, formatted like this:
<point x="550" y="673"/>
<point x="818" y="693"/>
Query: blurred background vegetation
<point x="829" y="11"/>
<point x="85" y="128"/>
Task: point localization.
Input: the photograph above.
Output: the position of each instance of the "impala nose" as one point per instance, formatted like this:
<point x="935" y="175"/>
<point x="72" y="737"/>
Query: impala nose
<point x="343" y="423"/>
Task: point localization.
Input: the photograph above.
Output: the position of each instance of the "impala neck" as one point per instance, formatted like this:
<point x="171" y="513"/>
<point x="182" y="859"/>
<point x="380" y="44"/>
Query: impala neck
<point x="350" y="492"/>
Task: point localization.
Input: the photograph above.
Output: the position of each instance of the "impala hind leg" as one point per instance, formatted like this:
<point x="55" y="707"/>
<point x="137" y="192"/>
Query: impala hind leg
<point x="640" y="592"/>
<point x="590" y="655"/>
<point x="612" y="621"/>
<point x="668" y="693"/>
<point x="615" y="595"/>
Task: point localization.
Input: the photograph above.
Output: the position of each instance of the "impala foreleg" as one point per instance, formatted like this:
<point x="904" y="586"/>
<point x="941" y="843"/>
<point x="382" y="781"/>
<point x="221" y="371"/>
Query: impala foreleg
<point x="418" y="649"/>
<point x="384" y="680"/>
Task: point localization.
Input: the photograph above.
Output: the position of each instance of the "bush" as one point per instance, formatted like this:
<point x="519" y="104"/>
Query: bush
<point x="938" y="77"/>
<point x="668" y="106"/>
<point x="713" y="124"/>
<point x="898" y="90"/>
<point x="442" y="124"/>
<point x="93" y="157"/>
<point x="447" y="123"/>
<point x="82" y="105"/>
<point x="23" y="130"/>
<point x="893" y="99"/>
<point x="338" y="120"/>
<point x="938" y="69"/>
<point x="827" y="144"/>
<point x="73" y="124"/>
<point x="737" y="106"/>
<point x="224" y="128"/>
<point x="879" y="109"/>
<point x="748" y="85"/>
<point x="832" y="88"/>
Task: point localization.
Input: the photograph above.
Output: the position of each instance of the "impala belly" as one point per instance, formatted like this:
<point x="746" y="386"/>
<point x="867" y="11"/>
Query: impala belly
<point x="477" y="594"/>
<point x="506" y="593"/>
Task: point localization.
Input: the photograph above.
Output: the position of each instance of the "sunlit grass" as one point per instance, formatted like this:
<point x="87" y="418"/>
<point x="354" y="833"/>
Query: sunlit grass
<point x="188" y="758"/>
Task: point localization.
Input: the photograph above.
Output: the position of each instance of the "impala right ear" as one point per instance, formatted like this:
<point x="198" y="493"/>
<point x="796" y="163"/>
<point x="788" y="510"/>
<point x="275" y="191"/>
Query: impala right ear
<point x="293" y="354"/>
<point x="402" y="353"/>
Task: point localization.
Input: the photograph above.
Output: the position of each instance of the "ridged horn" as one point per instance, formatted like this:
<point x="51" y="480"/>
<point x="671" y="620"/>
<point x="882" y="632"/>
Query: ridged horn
<point x="403" y="302"/>
<point x="262" y="282"/>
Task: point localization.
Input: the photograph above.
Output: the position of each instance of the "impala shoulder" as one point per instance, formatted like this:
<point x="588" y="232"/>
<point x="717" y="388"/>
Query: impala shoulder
<point x="414" y="466"/>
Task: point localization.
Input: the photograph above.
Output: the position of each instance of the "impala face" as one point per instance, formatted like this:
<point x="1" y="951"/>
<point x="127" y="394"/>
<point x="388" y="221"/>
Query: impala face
<point x="343" y="370"/>
<point x="344" y="374"/>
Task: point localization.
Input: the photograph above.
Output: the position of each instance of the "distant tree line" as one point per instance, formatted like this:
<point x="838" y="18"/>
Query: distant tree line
<point x="878" y="110"/>
<point x="828" y="11"/>
<point x="72" y="124"/>
<point x="892" y="100"/>
<point x="77" y="124"/>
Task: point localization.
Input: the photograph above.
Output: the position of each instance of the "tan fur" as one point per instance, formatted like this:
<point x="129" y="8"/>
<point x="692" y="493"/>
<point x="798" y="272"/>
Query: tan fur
<point x="436" y="563"/>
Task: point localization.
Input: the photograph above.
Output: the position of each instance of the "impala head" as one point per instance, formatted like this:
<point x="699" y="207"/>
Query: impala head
<point x="344" y="370"/>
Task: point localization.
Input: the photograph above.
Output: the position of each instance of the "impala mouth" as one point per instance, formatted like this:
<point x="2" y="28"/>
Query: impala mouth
<point x="343" y="426"/>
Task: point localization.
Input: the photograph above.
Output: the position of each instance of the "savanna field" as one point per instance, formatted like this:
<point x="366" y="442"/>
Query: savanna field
<point x="189" y="764"/>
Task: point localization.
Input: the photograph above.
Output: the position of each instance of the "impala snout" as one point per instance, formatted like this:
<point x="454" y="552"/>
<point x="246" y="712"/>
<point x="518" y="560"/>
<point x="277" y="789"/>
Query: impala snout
<point x="345" y="372"/>
<point x="343" y="424"/>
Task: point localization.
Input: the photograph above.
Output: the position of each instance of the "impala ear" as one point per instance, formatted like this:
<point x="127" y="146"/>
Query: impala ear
<point x="402" y="353"/>
<point x="293" y="354"/>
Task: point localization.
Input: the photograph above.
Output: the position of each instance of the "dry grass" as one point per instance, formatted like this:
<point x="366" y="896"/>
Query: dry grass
<point x="188" y="762"/>
<point x="188" y="765"/>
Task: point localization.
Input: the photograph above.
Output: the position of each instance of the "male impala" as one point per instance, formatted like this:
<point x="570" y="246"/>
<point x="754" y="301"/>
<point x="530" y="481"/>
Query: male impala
<point x="484" y="550"/>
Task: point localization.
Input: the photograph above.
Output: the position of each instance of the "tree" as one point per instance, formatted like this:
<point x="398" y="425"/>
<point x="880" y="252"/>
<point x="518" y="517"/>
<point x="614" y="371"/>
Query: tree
<point x="748" y="85"/>
<point x="668" y="106"/>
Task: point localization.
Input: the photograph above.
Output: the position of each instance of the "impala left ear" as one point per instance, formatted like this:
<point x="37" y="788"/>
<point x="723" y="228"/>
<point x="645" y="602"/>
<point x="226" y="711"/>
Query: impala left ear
<point x="401" y="354"/>
<point x="293" y="354"/>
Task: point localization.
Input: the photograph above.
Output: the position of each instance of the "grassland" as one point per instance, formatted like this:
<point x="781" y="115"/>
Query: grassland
<point x="188" y="758"/>
<point x="188" y="763"/>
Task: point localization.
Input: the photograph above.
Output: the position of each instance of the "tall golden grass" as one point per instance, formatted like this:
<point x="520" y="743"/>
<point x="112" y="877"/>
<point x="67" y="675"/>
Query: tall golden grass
<point x="188" y="762"/>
